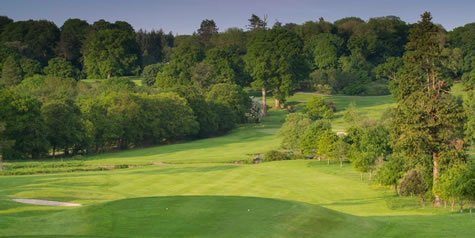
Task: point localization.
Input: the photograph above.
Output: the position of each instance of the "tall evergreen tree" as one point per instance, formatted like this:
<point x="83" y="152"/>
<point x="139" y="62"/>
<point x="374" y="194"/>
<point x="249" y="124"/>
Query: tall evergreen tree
<point x="427" y="120"/>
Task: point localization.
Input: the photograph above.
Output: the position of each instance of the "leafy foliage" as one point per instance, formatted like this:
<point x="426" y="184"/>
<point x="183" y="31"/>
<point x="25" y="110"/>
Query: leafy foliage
<point x="318" y="109"/>
<point x="293" y="128"/>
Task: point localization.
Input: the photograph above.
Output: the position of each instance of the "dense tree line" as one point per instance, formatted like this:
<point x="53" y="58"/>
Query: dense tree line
<point x="419" y="146"/>
<point x="348" y="56"/>
<point x="47" y="114"/>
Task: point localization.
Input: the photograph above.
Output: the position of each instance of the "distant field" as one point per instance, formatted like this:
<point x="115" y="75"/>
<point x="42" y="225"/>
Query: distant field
<point x="136" y="79"/>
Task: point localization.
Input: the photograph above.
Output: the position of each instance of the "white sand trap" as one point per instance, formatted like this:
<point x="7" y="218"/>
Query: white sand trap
<point x="46" y="202"/>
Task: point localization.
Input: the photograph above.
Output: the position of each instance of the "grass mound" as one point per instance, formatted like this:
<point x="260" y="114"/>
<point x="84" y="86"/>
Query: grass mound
<point x="199" y="216"/>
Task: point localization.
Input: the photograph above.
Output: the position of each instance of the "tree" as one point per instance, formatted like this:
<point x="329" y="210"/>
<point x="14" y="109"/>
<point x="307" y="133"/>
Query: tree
<point x="466" y="184"/>
<point x="318" y="109"/>
<point x="24" y="124"/>
<point x="447" y="187"/>
<point x="469" y="107"/>
<point x="389" y="68"/>
<point x="32" y="39"/>
<point x="4" y="20"/>
<point x="232" y="96"/>
<point x="326" y="145"/>
<point x="111" y="52"/>
<point x="43" y="87"/>
<point x="256" y="22"/>
<point x="233" y="38"/>
<point x="63" y="122"/>
<point x="11" y="72"/>
<point x="202" y="75"/>
<point x="213" y="118"/>
<point x="324" y="49"/>
<point x="275" y="62"/>
<point x="293" y="128"/>
<point x="391" y="171"/>
<point x="368" y="145"/>
<point x="151" y="45"/>
<point x="5" y="144"/>
<point x="60" y="67"/>
<point x="185" y="55"/>
<point x="207" y="29"/>
<point x="30" y="67"/>
<point x="362" y="161"/>
<point x="413" y="184"/>
<point x="308" y="142"/>
<point x="166" y="117"/>
<point x="149" y="74"/>
<point x="461" y="38"/>
<point x="72" y="39"/>
<point x="427" y="120"/>
<point x="228" y="65"/>
<point x="340" y="150"/>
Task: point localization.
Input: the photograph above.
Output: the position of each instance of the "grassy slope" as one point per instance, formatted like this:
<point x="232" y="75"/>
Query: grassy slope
<point x="303" y="198"/>
<point x="354" y="204"/>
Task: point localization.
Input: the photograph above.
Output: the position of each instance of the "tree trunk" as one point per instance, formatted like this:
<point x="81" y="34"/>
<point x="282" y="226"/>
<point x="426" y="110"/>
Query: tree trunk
<point x="108" y="75"/>
<point x="264" y="102"/>
<point x="361" y="176"/>
<point x="422" y="201"/>
<point x="54" y="151"/>
<point x="461" y="206"/>
<point x="1" y="162"/>
<point x="370" y="174"/>
<point x="277" y="104"/>
<point x="328" y="160"/>
<point x="445" y="203"/>
<point x="395" y="189"/>
<point x="341" y="163"/>
<point x="435" y="173"/>
<point x="452" y="204"/>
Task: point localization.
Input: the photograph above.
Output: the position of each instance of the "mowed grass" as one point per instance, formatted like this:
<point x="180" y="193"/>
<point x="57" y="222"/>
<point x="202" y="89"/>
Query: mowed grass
<point x="196" y="191"/>
<point x="303" y="198"/>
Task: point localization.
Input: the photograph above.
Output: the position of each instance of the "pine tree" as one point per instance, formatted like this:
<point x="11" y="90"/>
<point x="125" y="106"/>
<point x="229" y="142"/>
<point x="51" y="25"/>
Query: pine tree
<point x="428" y="123"/>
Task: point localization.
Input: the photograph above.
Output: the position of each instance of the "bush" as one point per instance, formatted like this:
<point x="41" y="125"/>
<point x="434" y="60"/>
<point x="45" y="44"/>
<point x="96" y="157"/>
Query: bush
<point x="413" y="184"/>
<point x="275" y="155"/>
<point x="149" y="74"/>
<point x="318" y="109"/>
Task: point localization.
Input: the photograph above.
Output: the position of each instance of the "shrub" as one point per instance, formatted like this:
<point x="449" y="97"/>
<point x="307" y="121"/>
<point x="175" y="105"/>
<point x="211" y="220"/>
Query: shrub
<point x="318" y="109"/>
<point x="149" y="74"/>
<point x="413" y="184"/>
<point x="275" y="155"/>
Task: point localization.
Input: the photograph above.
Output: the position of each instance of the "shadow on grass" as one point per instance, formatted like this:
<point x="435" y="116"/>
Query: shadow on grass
<point x="247" y="133"/>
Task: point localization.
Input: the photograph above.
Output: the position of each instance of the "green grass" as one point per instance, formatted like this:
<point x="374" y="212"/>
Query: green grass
<point x="136" y="79"/>
<point x="371" y="106"/>
<point x="209" y="196"/>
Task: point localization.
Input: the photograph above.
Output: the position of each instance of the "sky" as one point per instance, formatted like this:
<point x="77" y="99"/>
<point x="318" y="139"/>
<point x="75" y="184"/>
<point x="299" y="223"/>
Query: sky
<point x="185" y="16"/>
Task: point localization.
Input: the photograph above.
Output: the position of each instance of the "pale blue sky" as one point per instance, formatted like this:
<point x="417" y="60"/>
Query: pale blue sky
<point x="184" y="16"/>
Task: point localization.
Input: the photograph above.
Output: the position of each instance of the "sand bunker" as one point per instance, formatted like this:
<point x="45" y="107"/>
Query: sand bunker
<point x="46" y="202"/>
